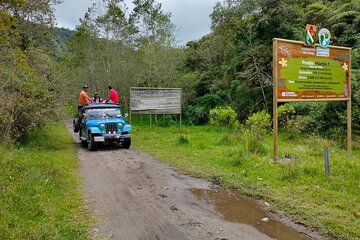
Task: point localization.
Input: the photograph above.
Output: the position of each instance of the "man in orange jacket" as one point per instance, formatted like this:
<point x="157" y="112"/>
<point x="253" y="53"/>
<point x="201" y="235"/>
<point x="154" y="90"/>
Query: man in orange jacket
<point x="84" y="99"/>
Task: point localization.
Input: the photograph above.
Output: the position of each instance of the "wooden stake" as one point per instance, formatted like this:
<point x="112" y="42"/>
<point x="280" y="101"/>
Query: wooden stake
<point x="181" y="109"/>
<point x="349" y="138"/>
<point x="349" y="118"/>
<point x="275" y="103"/>
<point x="130" y="115"/>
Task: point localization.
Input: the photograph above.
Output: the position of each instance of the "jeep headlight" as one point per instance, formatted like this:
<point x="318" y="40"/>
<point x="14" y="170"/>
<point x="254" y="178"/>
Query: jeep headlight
<point x="102" y="127"/>
<point x="120" y="125"/>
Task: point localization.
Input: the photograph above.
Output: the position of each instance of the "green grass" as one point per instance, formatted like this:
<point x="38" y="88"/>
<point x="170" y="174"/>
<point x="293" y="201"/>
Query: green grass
<point x="295" y="186"/>
<point x="39" y="185"/>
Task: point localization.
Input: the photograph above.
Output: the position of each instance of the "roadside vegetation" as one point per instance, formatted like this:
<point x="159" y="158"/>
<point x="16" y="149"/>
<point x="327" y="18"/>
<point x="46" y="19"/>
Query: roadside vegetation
<point x="32" y="80"/>
<point x="39" y="184"/>
<point x="40" y="196"/>
<point x="230" y="67"/>
<point x="295" y="185"/>
<point x="226" y="77"/>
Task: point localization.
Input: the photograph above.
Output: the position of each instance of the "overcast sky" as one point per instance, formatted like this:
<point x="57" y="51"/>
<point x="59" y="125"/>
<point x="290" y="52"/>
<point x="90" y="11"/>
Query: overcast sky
<point x="191" y="17"/>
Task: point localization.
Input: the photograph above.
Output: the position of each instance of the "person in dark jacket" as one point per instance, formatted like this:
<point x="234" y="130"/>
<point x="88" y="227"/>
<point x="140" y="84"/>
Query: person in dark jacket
<point x="97" y="98"/>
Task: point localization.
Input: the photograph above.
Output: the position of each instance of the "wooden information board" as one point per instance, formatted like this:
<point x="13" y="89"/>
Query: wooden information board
<point x="313" y="73"/>
<point x="304" y="74"/>
<point x="155" y="101"/>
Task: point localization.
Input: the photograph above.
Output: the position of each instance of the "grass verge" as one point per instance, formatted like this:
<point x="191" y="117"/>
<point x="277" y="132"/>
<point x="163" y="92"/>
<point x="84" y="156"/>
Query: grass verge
<point x="39" y="184"/>
<point x="295" y="186"/>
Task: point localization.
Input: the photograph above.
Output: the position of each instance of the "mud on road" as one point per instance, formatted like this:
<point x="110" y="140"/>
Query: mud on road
<point x="134" y="196"/>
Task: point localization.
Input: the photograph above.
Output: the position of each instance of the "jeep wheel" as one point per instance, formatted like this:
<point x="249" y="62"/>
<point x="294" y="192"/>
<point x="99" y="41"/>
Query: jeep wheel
<point x="76" y="125"/>
<point x="84" y="143"/>
<point x="91" y="143"/>
<point x="126" y="143"/>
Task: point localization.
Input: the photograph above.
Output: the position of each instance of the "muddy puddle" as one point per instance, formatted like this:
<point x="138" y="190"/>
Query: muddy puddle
<point x="234" y="207"/>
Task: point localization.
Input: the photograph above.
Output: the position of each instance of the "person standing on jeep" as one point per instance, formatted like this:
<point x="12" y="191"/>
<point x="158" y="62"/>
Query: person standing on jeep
<point x="113" y="95"/>
<point x="84" y="99"/>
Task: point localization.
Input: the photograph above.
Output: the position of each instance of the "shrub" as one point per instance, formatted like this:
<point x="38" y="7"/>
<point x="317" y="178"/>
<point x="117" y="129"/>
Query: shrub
<point x="285" y="113"/>
<point x="236" y="156"/>
<point x="355" y="92"/>
<point x="257" y="126"/>
<point x="196" y="115"/>
<point x="225" y="139"/>
<point x="167" y="120"/>
<point x="297" y="126"/>
<point x="254" y="143"/>
<point x="339" y="135"/>
<point x="220" y="116"/>
<point x="199" y="113"/>
<point x="182" y="139"/>
<point x="259" y="123"/>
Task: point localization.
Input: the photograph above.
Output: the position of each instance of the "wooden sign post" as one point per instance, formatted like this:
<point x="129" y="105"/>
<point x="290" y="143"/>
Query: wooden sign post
<point x="156" y="101"/>
<point x="310" y="74"/>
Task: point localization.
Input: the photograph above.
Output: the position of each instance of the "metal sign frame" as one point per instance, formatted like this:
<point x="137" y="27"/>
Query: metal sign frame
<point x="276" y="98"/>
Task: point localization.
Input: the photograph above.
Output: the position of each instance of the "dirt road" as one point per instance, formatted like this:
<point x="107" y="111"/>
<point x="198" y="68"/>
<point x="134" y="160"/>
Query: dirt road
<point x="135" y="196"/>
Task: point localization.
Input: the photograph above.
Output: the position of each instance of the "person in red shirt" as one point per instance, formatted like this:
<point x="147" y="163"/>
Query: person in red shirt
<point x="113" y="95"/>
<point x="84" y="99"/>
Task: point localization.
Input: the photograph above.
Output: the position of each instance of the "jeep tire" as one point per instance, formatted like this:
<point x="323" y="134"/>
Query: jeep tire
<point x="76" y="125"/>
<point x="84" y="143"/>
<point x="92" y="145"/>
<point x="126" y="143"/>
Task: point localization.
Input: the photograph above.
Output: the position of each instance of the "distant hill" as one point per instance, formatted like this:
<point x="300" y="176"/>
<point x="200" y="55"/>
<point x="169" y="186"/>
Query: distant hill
<point x="60" y="43"/>
<point x="63" y="34"/>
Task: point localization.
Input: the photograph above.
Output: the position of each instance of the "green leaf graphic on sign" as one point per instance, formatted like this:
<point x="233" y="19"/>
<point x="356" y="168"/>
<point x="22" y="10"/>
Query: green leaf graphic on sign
<point x="314" y="74"/>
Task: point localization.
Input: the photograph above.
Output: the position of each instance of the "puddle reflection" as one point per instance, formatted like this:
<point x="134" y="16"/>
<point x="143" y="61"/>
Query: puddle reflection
<point x="236" y="208"/>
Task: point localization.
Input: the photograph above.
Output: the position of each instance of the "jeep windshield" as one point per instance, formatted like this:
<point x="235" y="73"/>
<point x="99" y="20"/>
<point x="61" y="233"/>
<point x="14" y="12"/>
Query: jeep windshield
<point x="94" y="113"/>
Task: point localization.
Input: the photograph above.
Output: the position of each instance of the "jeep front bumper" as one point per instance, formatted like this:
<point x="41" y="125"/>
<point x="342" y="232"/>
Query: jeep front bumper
<point x="115" y="137"/>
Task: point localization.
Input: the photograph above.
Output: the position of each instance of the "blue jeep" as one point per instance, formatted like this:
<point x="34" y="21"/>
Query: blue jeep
<point x="102" y="123"/>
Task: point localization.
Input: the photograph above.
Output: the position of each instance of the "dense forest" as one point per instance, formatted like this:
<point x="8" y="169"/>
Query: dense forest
<point x="29" y="73"/>
<point x="43" y="67"/>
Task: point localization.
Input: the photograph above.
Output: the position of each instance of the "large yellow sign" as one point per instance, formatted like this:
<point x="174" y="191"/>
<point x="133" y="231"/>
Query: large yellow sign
<point x="311" y="73"/>
<point x="304" y="73"/>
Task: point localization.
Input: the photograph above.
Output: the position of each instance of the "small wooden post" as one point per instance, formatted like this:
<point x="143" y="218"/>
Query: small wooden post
<point x="275" y="103"/>
<point x="181" y="108"/>
<point x="130" y="115"/>
<point x="348" y="112"/>
<point x="349" y="138"/>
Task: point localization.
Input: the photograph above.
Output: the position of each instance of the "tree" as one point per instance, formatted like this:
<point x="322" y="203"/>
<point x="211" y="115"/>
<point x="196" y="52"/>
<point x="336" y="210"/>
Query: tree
<point x="234" y="61"/>
<point x="26" y="77"/>
<point x="125" y="49"/>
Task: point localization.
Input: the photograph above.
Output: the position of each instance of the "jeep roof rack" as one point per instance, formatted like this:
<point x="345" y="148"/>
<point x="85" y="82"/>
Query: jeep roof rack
<point x="101" y="105"/>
